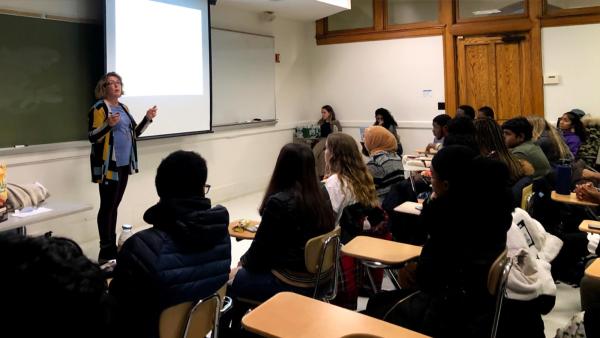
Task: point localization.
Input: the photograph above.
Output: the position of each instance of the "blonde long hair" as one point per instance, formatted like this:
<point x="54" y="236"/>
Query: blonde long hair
<point x="539" y="126"/>
<point x="345" y="160"/>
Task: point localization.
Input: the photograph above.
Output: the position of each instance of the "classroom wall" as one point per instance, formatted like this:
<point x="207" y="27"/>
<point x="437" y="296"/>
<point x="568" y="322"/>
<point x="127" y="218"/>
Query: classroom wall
<point x="573" y="53"/>
<point x="406" y="76"/>
<point x="240" y="161"/>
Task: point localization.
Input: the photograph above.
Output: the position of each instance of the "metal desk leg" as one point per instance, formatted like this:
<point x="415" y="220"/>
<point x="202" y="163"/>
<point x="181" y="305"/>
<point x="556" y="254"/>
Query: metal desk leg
<point x="393" y="278"/>
<point x="372" y="280"/>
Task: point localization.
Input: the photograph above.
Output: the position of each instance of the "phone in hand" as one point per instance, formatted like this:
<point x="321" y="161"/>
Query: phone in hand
<point x="252" y="228"/>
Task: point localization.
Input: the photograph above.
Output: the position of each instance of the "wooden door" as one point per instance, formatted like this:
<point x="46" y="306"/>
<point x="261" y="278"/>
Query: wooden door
<point x="496" y="71"/>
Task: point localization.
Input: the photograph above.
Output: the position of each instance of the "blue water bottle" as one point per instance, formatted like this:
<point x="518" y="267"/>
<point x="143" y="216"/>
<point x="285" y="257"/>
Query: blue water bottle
<point x="563" y="179"/>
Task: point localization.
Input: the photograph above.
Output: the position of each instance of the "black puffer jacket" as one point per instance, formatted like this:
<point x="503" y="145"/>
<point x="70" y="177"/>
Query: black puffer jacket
<point x="185" y="257"/>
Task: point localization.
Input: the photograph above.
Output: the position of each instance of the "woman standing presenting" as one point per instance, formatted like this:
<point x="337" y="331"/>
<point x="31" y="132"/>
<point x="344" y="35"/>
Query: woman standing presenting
<point x="112" y="132"/>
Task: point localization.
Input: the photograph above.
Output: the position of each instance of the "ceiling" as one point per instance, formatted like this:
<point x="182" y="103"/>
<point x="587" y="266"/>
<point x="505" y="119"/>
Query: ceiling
<point x="304" y="10"/>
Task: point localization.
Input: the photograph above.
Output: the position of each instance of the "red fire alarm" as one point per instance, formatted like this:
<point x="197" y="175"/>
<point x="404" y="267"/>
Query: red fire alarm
<point x="277" y="58"/>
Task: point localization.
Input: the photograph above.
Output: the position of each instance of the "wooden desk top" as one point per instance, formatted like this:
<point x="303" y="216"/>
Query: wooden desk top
<point x="412" y="208"/>
<point x="422" y="151"/>
<point x="588" y="225"/>
<point x="408" y="167"/>
<point x="241" y="234"/>
<point x="291" y="315"/>
<point x="594" y="269"/>
<point x="381" y="250"/>
<point x="571" y="199"/>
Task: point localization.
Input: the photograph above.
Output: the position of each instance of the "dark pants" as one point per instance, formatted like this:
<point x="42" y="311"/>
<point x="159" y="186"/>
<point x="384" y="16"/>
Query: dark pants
<point x="111" y="193"/>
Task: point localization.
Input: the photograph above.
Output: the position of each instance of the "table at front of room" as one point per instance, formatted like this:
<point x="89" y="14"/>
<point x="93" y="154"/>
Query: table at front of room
<point x="294" y="316"/>
<point x="57" y="209"/>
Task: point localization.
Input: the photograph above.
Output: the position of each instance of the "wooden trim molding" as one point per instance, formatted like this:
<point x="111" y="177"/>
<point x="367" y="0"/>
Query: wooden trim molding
<point x="526" y="10"/>
<point x="572" y="11"/>
<point x="553" y="21"/>
<point x="320" y="30"/>
<point x="500" y="26"/>
<point x="446" y="17"/>
<point x="537" y="80"/>
<point x="378" y="15"/>
<point x="382" y="35"/>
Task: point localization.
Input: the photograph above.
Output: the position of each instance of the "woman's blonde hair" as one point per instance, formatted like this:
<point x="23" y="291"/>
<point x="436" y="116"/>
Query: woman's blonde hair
<point x="539" y="126"/>
<point x="345" y="160"/>
<point x="100" y="90"/>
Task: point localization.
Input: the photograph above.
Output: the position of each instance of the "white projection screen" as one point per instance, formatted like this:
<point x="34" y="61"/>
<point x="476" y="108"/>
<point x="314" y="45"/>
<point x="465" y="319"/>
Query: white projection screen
<point x="161" y="48"/>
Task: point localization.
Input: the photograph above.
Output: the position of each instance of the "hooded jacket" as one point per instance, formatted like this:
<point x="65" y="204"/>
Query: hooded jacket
<point x="185" y="256"/>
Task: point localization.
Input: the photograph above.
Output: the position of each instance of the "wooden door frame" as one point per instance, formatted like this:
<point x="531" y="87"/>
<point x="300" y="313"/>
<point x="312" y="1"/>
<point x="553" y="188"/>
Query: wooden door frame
<point x="530" y="25"/>
<point x="490" y="42"/>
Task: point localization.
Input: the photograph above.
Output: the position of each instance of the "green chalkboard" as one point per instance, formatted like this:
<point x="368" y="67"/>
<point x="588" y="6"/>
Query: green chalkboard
<point x="48" y="71"/>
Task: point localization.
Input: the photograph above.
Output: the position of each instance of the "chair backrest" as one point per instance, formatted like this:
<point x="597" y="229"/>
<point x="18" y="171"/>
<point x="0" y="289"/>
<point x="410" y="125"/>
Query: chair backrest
<point x="173" y="320"/>
<point x="321" y="254"/>
<point x="192" y="320"/>
<point x="496" y="285"/>
<point x="526" y="196"/>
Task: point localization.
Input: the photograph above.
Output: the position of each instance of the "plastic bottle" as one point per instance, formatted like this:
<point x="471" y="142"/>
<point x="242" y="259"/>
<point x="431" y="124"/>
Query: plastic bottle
<point x="126" y="233"/>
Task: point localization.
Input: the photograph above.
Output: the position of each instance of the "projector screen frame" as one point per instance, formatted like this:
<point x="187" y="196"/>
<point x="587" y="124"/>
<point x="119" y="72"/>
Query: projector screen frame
<point x="169" y="135"/>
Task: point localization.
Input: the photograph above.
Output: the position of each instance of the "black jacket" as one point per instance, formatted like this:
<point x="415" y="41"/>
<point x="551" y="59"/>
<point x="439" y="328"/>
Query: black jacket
<point x="281" y="236"/>
<point x="185" y="257"/>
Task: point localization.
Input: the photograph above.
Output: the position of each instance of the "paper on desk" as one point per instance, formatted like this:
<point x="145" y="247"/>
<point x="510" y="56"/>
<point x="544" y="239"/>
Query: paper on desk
<point x="22" y="214"/>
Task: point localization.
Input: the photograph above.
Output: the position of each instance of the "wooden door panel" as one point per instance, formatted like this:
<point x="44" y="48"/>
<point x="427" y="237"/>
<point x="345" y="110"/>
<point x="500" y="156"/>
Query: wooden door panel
<point x="508" y="78"/>
<point x="476" y="72"/>
<point x="495" y="73"/>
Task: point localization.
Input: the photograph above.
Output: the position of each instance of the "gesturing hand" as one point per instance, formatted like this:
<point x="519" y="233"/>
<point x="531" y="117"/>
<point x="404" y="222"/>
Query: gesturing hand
<point x="151" y="113"/>
<point x="113" y="119"/>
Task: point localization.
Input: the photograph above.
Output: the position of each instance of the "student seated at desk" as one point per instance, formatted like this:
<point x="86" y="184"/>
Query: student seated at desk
<point x="294" y="210"/>
<point x="384" y="118"/>
<point x="485" y="112"/>
<point x="384" y="163"/>
<point x="556" y="150"/>
<point x="491" y="144"/>
<point x="328" y="124"/>
<point x="461" y="131"/>
<point x="517" y="137"/>
<point x="349" y="182"/>
<point x="440" y="130"/>
<point x="466" y="219"/>
<point x="465" y="110"/>
<point x="184" y="257"/>
<point x="50" y="289"/>
<point x="572" y="130"/>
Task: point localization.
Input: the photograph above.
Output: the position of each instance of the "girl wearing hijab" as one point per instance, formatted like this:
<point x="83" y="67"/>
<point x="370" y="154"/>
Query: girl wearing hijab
<point x="384" y="163"/>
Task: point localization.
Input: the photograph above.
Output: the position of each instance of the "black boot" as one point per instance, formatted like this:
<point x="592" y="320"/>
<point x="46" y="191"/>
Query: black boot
<point x="107" y="252"/>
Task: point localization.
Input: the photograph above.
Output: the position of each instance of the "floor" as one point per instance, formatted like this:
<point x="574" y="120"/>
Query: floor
<point x="567" y="300"/>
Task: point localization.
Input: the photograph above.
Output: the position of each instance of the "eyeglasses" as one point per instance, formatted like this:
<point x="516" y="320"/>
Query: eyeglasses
<point x="110" y="83"/>
<point x="206" y="188"/>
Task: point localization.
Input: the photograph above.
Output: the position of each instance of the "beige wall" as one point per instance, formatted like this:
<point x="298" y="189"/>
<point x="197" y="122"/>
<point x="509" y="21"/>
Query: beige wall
<point x="572" y="53"/>
<point x="357" y="78"/>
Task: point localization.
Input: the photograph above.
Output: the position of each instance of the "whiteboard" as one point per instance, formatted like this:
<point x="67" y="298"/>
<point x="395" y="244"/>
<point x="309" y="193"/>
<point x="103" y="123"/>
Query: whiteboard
<point x="243" y="77"/>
